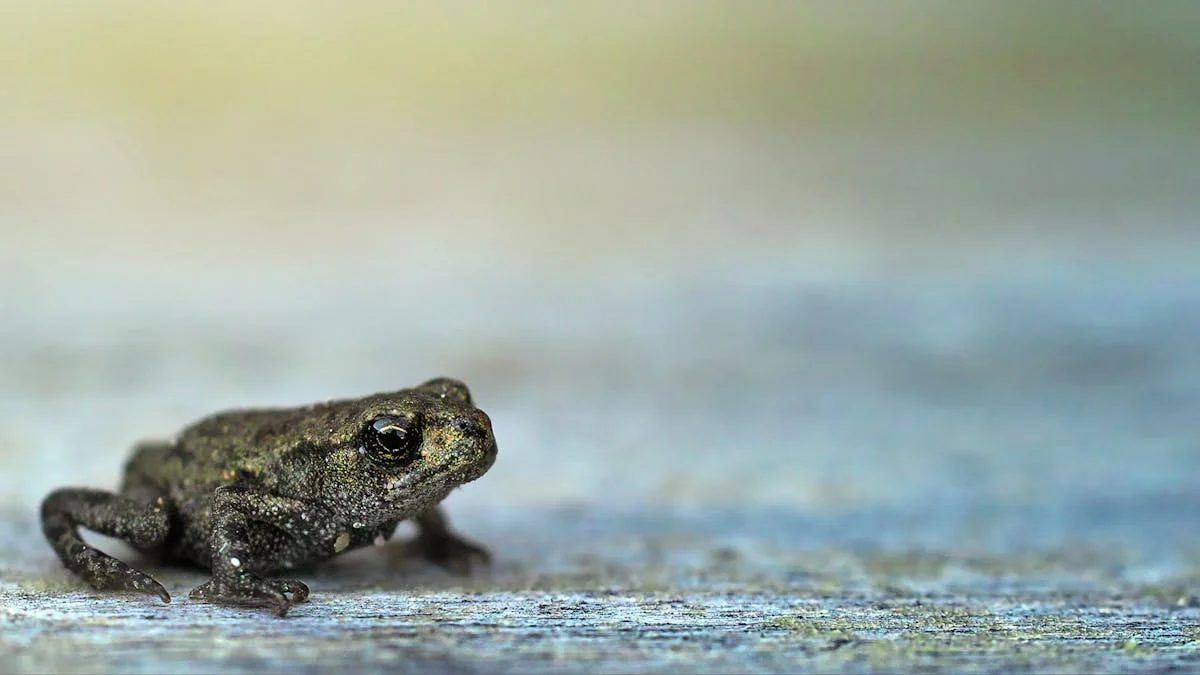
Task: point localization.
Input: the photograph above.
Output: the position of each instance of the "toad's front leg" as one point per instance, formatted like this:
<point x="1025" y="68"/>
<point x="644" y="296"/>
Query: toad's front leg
<point x="253" y="532"/>
<point x="438" y="544"/>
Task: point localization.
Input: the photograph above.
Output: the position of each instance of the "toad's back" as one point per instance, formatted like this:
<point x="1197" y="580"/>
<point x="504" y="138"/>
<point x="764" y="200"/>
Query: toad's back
<point x="231" y="441"/>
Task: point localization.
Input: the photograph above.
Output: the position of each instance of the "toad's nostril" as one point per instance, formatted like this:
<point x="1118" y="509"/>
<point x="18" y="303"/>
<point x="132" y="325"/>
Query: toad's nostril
<point x="467" y="426"/>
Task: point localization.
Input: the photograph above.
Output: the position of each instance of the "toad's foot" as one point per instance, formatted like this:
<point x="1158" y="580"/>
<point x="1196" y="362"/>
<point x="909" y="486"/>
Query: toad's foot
<point x="105" y="573"/>
<point x="249" y="590"/>
<point x="448" y="551"/>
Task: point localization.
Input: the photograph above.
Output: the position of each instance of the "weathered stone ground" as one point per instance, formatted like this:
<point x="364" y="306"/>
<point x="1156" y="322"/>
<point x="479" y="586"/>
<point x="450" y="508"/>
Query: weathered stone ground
<point x="1021" y="499"/>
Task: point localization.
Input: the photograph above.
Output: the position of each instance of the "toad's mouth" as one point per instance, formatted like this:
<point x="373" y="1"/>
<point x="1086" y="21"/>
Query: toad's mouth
<point x="431" y="484"/>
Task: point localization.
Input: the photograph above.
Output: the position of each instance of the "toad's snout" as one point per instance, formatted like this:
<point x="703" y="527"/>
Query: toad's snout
<point x="475" y="424"/>
<point x="471" y="442"/>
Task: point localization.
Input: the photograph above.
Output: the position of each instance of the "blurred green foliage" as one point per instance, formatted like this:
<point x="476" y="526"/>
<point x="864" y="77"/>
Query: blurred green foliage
<point x="774" y="63"/>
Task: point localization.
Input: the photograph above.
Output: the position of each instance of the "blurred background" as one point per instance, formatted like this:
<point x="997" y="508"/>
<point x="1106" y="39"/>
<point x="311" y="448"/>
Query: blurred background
<point x="810" y="256"/>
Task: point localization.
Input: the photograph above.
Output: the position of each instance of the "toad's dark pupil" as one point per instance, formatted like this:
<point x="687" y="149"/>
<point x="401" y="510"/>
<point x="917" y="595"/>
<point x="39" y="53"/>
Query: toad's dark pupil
<point x="391" y="435"/>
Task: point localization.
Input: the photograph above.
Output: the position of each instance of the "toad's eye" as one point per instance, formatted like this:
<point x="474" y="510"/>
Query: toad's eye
<point x="394" y="439"/>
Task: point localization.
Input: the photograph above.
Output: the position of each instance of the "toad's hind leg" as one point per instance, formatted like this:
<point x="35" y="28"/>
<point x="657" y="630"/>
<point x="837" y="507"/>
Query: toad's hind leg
<point x="142" y="524"/>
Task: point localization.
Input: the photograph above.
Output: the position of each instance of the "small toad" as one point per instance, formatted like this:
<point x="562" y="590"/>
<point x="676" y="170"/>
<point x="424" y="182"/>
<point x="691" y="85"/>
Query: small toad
<point x="252" y="493"/>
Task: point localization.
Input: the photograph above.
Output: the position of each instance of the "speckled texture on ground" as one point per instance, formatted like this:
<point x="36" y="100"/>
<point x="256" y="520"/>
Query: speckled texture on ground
<point x="585" y="590"/>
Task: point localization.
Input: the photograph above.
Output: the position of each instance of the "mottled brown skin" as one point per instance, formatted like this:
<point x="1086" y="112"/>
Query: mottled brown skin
<point x="249" y="493"/>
